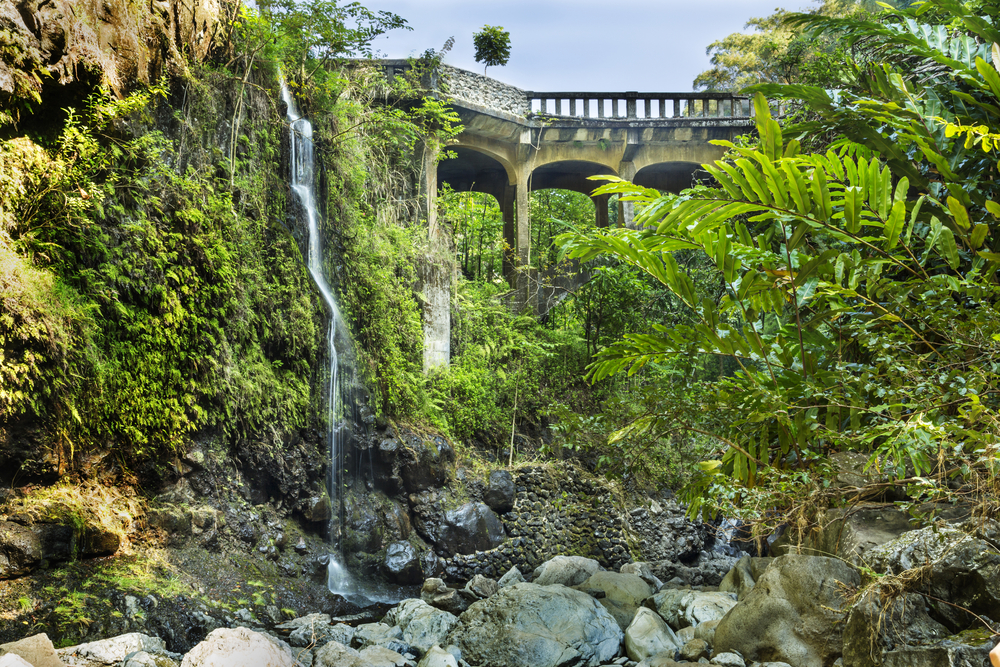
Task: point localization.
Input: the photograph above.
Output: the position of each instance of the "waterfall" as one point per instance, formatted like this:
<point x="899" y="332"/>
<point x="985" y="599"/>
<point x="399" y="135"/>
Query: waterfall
<point x="302" y="180"/>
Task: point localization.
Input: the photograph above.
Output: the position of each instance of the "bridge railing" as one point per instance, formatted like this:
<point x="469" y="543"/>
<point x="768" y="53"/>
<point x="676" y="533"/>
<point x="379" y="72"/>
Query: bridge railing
<point x="638" y="106"/>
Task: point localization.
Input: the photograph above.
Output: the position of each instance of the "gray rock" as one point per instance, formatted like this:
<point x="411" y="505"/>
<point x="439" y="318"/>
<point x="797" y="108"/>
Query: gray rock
<point x="379" y="656"/>
<point x="565" y="570"/>
<point x="318" y="509"/>
<point x="470" y="528"/>
<point x="659" y="661"/>
<point x="402" y="563"/>
<point x="695" y="649"/>
<point x="623" y="593"/>
<point x="422" y="625"/>
<point x="238" y="647"/>
<point x="437" y="594"/>
<point x="144" y="659"/>
<point x="648" y="636"/>
<point x="739" y="580"/>
<point x="644" y="572"/>
<point x="682" y="608"/>
<point x="791" y="615"/>
<point x="874" y="627"/>
<point x="947" y="653"/>
<point x="20" y="550"/>
<point x="481" y="587"/>
<point x="964" y="570"/>
<point x="114" y="650"/>
<point x="375" y="634"/>
<point x="36" y="650"/>
<point x="513" y="576"/>
<point x="421" y="463"/>
<point x="728" y="660"/>
<point x="500" y="492"/>
<point x="850" y="533"/>
<point x="13" y="660"/>
<point x="438" y="657"/>
<point x="706" y="631"/>
<point x="541" y="626"/>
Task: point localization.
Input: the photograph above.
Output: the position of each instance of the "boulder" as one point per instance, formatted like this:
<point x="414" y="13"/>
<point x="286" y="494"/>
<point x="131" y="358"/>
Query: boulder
<point x="644" y="572"/>
<point x="728" y="660"/>
<point x="695" y="649"/>
<point x="739" y="580"/>
<point x="423" y="463"/>
<point x="113" y="651"/>
<point x="422" y="625"/>
<point x="480" y="587"/>
<point x="541" y="626"/>
<point x="13" y="660"/>
<point x="237" y="647"/>
<point x="565" y="570"/>
<point x="379" y="634"/>
<point x="146" y="659"/>
<point x="850" y="533"/>
<point x="317" y="509"/>
<point x="874" y="627"/>
<point x="622" y="593"/>
<point x="437" y="594"/>
<point x="513" y="576"/>
<point x="661" y="661"/>
<point x="335" y="654"/>
<point x="648" y="636"/>
<point x="36" y="650"/>
<point x="500" y="491"/>
<point x="682" y="608"/>
<point x="706" y="631"/>
<point x="961" y="568"/>
<point x="402" y="563"/>
<point x="470" y="528"/>
<point x="792" y="614"/>
<point x="20" y="550"/>
<point x="437" y="657"/>
<point x="948" y="653"/>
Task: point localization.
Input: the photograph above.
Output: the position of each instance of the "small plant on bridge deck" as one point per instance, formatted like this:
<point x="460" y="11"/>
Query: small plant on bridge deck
<point x="492" y="46"/>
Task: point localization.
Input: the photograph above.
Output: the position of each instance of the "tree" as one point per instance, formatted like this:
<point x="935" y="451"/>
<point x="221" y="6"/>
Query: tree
<point x="776" y="51"/>
<point x="492" y="46"/>
<point x="861" y="283"/>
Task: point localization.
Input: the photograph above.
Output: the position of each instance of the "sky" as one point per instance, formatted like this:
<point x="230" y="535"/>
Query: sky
<point x="579" y="45"/>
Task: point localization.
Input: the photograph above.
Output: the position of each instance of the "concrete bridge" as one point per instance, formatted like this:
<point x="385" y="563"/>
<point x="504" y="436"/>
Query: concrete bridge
<point x="516" y="141"/>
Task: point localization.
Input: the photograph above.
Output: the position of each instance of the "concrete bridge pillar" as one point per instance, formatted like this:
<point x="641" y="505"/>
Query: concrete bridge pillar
<point x="435" y="277"/>
<point x="601" y="210"/>
<point x="626" y="209"/>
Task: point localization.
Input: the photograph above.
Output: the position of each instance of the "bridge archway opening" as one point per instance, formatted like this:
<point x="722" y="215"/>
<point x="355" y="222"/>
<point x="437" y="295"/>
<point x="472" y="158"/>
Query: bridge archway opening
<point x="667" y="176"/>
<point x="471" y="170"/>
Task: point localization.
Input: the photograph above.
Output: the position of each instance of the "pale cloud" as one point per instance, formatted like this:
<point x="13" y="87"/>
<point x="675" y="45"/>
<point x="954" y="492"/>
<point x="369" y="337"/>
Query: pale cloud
<point x="580" y="45"/>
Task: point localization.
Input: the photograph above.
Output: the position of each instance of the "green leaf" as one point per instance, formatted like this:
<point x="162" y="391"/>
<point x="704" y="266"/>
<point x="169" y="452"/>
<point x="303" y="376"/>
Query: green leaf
<point x="948" y="247"/>
<point x="895" y="224"/>
<point x="959" y="213"/>
<point x="978" y="235"/>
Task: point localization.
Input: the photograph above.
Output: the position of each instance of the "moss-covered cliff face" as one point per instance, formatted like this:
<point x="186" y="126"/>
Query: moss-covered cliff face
<point x="151" y="295"/>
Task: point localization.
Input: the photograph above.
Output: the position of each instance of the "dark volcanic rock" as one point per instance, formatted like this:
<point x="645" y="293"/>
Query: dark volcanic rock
<point x="500" y="493"/>
<point x="402" y="564"/>
<point x="470" y="528"/>
<point x="20" y="550"/>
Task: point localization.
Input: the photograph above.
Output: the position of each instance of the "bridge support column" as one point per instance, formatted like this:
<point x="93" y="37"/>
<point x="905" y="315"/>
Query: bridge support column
<point x="435" y="276"/>
<point x="626" y="209"/>
<point x="508" y="207"/>
<point x="601" y="210"/>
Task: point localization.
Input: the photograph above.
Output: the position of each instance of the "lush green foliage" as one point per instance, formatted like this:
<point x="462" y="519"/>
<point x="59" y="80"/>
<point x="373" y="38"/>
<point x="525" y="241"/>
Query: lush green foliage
<point x="492" y="46"/>
<point x="152" y="301"/>
<point x="861" y="292"/>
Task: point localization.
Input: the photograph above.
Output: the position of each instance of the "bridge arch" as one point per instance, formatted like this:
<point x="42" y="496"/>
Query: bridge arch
<point x="473" y="169"/>
<point x="569" y="175"/>
<point x="666" y="176"/>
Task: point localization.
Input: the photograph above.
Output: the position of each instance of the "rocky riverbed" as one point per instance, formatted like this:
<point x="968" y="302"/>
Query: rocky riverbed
<point x="792" y="610"/>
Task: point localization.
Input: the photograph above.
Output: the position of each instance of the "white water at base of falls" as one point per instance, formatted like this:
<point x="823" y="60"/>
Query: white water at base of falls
<point x="302" y="179"/>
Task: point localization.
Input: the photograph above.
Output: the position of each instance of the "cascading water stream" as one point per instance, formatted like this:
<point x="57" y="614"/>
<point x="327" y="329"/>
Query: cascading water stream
<point x="301" y="180"/>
